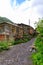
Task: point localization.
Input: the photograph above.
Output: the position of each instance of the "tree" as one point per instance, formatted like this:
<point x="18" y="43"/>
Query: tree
<point x="40" y="26"/>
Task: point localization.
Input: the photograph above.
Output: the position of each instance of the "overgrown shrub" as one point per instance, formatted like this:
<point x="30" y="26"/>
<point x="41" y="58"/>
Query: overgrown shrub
<point x="20" y="41"/>
<point x="3" y="45"/>
<point x="38" y="56"/>
<point x="23" y="40"/>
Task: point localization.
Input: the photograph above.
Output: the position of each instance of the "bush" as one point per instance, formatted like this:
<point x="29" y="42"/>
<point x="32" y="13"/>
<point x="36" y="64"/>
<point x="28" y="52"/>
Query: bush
<point x="4" y="45"/>
<point x="20" y="41"/>
<point x="23" y="40"/>
<point x="38" y="56"/>
<point x="40" y="26"/>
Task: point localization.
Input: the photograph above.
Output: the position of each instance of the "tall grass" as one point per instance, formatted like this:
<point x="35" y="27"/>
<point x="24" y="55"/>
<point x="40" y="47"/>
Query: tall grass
<point x="4" y="45"/>
<point x="38" y="56"/>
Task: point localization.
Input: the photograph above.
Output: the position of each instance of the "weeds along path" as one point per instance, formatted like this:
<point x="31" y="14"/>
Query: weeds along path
<point x="17" y="55"/>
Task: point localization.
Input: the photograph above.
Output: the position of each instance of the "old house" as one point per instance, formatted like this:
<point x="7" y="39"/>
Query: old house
<point x="31" y="30"/>
<point x="19" y="32"/>
<point x="27" y="29"/>
<point x="9" y="30"/>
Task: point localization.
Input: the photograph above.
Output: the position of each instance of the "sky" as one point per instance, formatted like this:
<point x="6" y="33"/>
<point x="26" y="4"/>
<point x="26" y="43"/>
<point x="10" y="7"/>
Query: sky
<point x="22" y="11"/>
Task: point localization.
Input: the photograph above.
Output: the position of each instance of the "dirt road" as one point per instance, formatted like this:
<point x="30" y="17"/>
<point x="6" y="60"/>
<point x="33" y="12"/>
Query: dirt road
<point x="17" y="55"/>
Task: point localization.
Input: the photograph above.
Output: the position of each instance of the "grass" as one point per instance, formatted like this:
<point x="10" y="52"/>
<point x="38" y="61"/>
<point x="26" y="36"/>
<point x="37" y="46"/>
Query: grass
<point x="38" y="56"/>
<point x="23" y="40"/>
<point x="20" y="41"/>
<point x="3" y="45"/>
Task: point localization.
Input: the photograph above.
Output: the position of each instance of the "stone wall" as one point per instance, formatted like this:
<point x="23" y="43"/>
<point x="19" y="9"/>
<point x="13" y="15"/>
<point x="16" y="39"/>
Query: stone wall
<point x="2" y="37"/>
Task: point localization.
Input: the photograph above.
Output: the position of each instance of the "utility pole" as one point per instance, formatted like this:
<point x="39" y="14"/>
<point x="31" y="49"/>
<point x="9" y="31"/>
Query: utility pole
<point x="29" y="25"/>
<point x="29" y="22"/>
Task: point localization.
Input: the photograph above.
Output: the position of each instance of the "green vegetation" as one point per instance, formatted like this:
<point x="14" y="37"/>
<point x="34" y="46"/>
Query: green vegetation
<point x="18" y="41"/>
<point x="3" y="45"/>
<point x="38" y="55"/>
<point x="40" y="26"/>
<point x="23" y="40"/>
<point x="4" y="19"/>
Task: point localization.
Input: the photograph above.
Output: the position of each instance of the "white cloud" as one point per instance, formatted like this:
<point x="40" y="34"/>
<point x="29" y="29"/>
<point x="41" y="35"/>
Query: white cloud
<point x="25" y="12"/>
<point x="37" y="2"/>
<point x="5" y="8"/>
<point x="38" y="5"/>
<point x="21" y="14"/>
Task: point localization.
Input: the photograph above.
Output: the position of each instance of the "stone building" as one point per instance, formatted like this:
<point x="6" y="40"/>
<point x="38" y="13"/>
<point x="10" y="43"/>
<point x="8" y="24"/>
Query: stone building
<point x="9" y="30"/>
<point x="27" y="29"/>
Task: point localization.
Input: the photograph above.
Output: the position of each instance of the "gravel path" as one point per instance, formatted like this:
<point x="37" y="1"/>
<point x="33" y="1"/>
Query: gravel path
<point x="17" y="55"/>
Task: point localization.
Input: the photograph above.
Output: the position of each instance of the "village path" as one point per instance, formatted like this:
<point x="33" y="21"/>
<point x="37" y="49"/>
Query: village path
<point x="17" y="55"/>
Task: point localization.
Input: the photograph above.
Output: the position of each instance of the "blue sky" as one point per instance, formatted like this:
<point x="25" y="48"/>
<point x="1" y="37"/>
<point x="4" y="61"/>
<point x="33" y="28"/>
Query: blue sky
<point x="20" y="11"/>
<point x="20" y="1"/>
<point x="12" y="2"/>
<point x="17" y="2"/>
